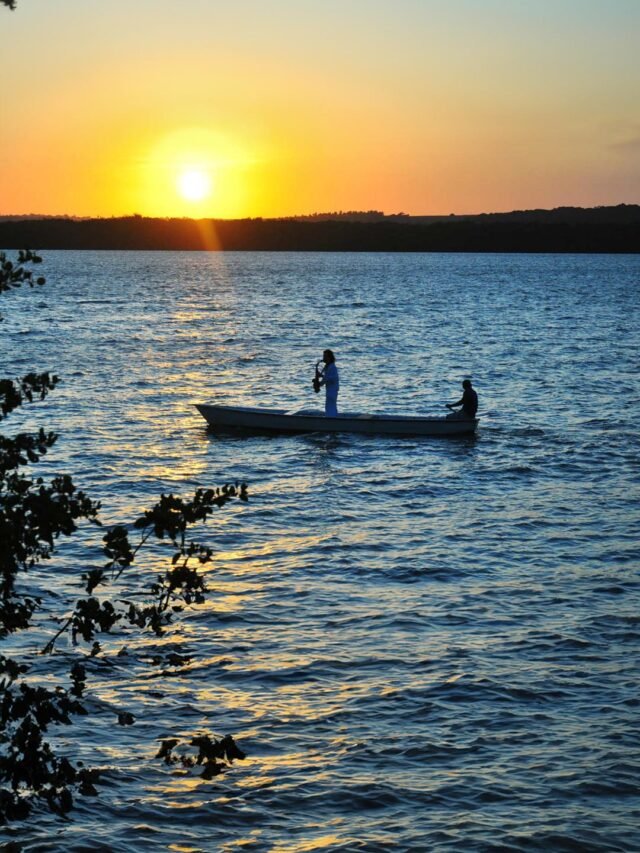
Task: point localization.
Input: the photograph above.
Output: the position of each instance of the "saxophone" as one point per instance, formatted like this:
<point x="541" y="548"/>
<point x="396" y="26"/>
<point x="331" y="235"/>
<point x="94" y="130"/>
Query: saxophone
<point x="317" y="378"/>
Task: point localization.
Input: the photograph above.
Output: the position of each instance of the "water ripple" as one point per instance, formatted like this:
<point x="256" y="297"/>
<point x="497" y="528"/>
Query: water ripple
<point x="421" y="645"/>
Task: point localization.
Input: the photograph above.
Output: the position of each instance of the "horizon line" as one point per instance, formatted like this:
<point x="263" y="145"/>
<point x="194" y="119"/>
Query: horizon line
<point x="328" y="213"/>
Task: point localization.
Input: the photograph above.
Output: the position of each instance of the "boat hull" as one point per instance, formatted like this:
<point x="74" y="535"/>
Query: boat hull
<point x="281" y="420"/>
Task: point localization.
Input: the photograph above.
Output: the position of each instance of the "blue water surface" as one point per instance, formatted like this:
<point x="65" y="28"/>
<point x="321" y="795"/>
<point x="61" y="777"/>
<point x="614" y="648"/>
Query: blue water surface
<point x="421" y="644"/>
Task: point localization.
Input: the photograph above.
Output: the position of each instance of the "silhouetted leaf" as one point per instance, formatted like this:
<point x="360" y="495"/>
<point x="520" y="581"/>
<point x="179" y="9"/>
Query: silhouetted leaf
<point x="34" y="515"/>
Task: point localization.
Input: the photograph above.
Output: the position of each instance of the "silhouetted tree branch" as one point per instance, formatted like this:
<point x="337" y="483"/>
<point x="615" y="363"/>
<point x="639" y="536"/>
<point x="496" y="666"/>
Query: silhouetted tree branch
<point x="34" y="517"/>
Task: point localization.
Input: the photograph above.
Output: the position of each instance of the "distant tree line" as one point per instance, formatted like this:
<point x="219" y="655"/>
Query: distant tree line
<point x="605" y="229"/>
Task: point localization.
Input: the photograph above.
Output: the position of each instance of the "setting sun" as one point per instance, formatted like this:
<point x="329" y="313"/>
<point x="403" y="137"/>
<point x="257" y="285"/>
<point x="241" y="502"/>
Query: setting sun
<point x="194" y="184"/>
<point x="193" y="172"/>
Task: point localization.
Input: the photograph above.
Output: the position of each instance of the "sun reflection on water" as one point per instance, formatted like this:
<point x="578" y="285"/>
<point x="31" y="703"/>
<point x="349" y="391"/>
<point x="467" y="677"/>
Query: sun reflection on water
<point x="322" y="842"/>
<point x="432" y="627"/>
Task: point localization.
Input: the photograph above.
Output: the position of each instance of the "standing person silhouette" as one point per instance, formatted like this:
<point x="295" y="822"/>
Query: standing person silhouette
<point x="330" y="378"/>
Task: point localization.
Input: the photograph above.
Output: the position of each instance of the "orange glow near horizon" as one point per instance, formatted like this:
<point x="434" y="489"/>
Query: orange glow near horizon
<point x="416" y="106"/>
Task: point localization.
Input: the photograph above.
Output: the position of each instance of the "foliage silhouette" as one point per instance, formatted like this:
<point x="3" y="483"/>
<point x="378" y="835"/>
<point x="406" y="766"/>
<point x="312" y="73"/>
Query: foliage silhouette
<point x="34" y="516"/>
<point x="606" y="229"/>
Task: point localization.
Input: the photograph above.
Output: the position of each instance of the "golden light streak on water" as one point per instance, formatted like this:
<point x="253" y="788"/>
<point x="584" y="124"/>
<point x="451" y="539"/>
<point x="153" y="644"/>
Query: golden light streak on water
<point x="436" y="628"/>
<point x="323" y="842"/>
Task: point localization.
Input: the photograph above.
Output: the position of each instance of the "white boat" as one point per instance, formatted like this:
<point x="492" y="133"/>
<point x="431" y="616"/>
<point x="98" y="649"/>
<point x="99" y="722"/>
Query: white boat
<point x="283" y="420"/>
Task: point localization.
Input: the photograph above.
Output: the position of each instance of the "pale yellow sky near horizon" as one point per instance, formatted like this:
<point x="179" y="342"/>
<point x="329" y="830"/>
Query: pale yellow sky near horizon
<point x="298" y="106"/>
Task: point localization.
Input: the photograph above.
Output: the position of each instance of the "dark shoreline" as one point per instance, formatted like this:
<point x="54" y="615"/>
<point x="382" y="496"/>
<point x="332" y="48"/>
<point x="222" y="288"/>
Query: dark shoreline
<point x="564" y="230"/>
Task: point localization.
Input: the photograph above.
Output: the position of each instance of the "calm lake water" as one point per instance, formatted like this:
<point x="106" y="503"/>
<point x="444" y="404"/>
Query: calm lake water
<point x="422" y="644"/>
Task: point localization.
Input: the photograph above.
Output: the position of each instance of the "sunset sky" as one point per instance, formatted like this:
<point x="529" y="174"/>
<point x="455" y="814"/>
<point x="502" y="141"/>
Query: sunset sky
<point x="277" y="107"/>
